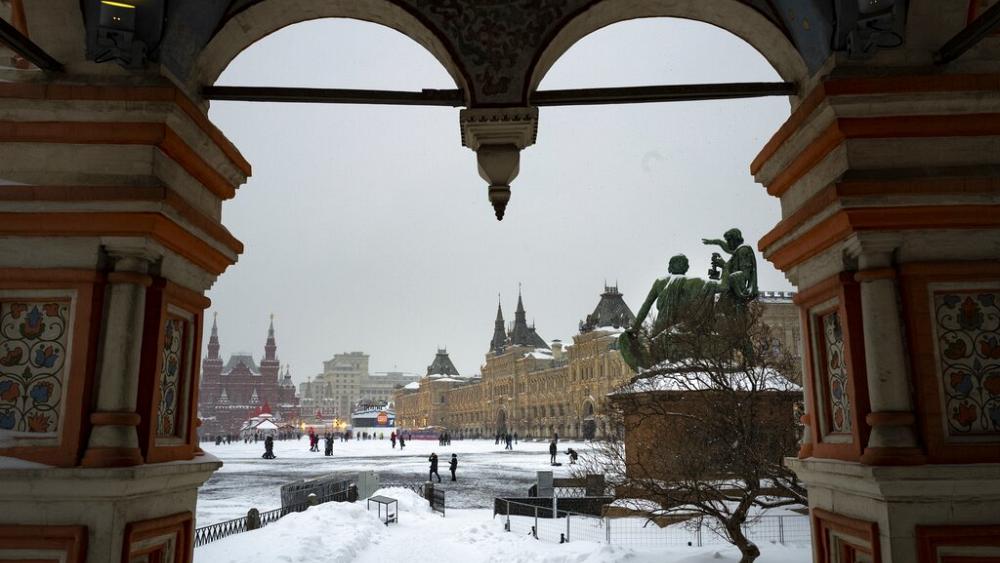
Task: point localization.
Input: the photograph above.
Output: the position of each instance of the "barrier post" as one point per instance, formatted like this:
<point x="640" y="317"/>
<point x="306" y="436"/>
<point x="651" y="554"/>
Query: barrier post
<point x="567" y="526"/>
<point x="253" y="519"/>
<point x="781" y="530"/>
<point x="535" y="529"/>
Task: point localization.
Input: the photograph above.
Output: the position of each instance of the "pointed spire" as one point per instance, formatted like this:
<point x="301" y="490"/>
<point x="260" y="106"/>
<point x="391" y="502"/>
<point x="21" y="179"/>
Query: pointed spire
<point x="499" y="340"/>
<point x="522" y="334"/>
<point x="213" y="340"/>
<point x="270" y="347"/>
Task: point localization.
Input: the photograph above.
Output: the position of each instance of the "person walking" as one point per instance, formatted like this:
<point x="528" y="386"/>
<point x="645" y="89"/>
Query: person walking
<point x="434" y="467"/>
<point x="552" y="452"/>
<point x="268" y="448"/>
<point x="509" y="439"/>
<point x="392" y="438"/>
<point x="453" y="465"/>
<point x="402" y="442"/>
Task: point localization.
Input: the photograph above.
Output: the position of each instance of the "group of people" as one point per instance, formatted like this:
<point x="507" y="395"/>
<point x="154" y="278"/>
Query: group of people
<point x="398" y="437"/>
<point x="452" y="466"/>
<point x="508" y="440"/>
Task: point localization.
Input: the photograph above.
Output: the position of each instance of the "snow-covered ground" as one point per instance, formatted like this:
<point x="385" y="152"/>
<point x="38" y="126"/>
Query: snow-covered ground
<point x="349" y="533"/>
<point x="485" y="470"/>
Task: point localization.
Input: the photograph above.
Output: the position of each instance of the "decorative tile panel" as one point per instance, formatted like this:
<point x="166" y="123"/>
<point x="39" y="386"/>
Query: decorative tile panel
<point x="967" y="333"/>
<point x="33" y="340"/>
<point x="171" y="377"/>
<point x="835" y="373"/>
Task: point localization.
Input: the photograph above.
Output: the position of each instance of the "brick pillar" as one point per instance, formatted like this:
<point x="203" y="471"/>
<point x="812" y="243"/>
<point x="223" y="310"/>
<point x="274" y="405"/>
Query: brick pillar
<point x="890" y="225"/>
<point x="110" y="235"/>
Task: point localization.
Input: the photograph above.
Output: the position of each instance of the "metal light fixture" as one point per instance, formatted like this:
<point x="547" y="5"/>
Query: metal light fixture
<point x="125" y="32"/>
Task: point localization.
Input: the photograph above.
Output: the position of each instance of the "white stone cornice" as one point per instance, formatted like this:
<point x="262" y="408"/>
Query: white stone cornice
<point x="499" y="126"/>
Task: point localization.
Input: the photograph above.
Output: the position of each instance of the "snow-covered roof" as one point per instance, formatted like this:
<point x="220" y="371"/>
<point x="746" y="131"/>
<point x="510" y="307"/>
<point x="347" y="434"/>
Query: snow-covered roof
<point x="266" y="425"/>
<point x="412" y="385"/>
<point x="541" y="354"/>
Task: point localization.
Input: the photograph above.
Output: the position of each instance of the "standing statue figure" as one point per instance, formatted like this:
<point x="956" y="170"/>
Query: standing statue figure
<point x="738" y="275"/>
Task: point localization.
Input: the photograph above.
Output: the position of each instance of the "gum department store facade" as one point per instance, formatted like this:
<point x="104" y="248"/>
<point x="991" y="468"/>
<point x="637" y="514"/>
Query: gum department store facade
<point x="538" y="389"/>
<point x="112" y="232"/>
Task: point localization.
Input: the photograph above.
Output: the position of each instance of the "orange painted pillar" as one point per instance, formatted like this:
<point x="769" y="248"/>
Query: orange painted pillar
<point x="890" y="227"/>
<point x="110" y="235"/>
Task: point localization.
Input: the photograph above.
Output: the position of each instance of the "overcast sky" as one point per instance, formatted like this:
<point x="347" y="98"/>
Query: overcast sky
<point x="368" y="227"/>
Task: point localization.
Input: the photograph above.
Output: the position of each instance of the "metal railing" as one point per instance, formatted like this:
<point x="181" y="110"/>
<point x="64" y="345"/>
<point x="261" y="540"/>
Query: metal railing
<point x="255" y="519"/>
<point x="538" y="521"/>
<point x="415" y="487"/>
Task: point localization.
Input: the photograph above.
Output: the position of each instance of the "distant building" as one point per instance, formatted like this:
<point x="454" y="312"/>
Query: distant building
<point x="528" y="386"/>
<point x="781" y="315"/>
<point x="233" y="392"/>
<point x="345" y="382"/>
<point x="538" y="389"/>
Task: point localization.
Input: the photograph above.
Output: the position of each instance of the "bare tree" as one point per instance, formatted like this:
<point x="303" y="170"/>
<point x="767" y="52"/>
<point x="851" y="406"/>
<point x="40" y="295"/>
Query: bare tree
<point x="706" y="429"/>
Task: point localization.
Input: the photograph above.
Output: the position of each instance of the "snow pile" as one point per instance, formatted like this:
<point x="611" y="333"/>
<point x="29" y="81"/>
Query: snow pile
<point x="348" y="533"/>
<point x="334" y="532"/>
<point x="409" y="501"/>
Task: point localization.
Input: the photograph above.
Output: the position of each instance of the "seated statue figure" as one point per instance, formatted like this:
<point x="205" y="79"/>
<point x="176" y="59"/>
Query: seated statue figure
<point x="738" y="275"/>
<point x="671" y="295"/>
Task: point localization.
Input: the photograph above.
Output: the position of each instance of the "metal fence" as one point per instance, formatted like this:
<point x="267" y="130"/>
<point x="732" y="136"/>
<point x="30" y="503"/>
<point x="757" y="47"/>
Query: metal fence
<point x="640" y="531"/>
<point x="255" y="519"/>
<point x="415" y="487"/>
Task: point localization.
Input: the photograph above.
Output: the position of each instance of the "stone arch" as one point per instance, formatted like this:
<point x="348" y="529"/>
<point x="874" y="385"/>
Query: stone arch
<point x="267" y="16"/>
<point x="733" y="16"/>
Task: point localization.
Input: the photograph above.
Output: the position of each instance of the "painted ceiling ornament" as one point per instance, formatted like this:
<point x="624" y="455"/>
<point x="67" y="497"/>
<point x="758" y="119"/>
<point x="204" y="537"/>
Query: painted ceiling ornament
<point x="732" y="281"/>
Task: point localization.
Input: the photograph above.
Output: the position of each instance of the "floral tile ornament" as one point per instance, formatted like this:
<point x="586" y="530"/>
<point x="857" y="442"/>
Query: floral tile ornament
<point x="33" y="339"/>
<point x="170" y="377"/>
<point x="839" y="403"/>
<point x="967" y="330"/>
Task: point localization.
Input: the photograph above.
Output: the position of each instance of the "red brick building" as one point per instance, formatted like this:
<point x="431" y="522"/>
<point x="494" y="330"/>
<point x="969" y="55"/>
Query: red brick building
<point x="240" y="388"/>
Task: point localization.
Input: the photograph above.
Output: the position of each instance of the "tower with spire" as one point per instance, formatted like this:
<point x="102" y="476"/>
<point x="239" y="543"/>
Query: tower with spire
<point x="522" y="334"/>
<point x="269" y="365"/>
<point x="233" y="391"/>
<point x="499" y="341"/>
<point x="212" y="365"/>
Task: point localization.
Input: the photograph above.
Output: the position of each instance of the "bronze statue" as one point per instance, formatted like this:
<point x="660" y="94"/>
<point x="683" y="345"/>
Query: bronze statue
<point x="738" y="275"/>
<point x="671" y="296"/>
<point x="734" y="279"/>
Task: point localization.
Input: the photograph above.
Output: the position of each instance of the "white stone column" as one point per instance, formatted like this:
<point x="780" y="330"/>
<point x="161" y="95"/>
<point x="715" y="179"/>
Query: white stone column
<point x="893" y="439"/>
<point x="113" y="439"/>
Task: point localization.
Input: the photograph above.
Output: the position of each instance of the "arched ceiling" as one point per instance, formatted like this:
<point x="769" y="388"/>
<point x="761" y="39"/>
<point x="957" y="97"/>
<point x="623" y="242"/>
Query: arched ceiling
<point x="492" y="46"/>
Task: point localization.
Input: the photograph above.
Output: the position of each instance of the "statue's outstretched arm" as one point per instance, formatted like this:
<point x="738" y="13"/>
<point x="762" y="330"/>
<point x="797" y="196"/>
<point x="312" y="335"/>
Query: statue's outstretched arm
<point x="720" y="243"/>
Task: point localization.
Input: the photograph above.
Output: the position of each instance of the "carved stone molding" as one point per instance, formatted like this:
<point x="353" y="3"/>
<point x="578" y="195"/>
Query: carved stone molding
<point x="499" y="126"/>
